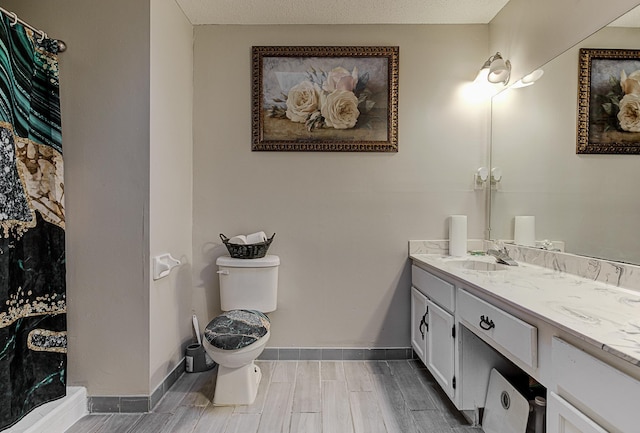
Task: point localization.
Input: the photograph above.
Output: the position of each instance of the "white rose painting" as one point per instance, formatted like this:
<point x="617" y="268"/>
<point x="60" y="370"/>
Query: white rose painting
<point x="609" y="101"/>
<point x="325" y="98"/>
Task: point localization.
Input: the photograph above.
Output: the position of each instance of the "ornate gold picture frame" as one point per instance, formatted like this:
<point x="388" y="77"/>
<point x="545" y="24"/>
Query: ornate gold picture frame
<point x="609" y="101"/>
<point x="324" y="99"/>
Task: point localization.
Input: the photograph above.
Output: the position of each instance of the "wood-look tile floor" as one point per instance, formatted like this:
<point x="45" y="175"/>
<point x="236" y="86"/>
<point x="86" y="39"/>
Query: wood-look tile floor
<point x="301" y="397"/>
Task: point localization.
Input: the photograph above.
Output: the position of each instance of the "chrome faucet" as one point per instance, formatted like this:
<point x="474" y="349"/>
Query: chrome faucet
<point x="502" y="255"/>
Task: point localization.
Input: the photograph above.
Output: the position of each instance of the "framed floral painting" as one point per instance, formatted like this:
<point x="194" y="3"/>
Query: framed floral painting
<point x="609" y="101"/>
<point x="325" y="98"/>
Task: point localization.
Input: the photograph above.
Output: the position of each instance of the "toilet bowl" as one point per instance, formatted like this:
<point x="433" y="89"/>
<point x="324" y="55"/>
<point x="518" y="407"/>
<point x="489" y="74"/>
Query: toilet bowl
<point x="234" y="339"/>
<point x="238" y="376"/>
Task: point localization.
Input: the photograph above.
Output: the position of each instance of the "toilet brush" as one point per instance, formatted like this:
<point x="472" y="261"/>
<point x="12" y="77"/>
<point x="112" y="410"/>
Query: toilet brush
<point x="196" y="358"/>
<point x="196" y="328"/>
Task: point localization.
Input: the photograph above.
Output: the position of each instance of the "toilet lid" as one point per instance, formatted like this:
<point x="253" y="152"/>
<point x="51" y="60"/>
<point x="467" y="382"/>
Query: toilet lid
<point x="236" y="329"/>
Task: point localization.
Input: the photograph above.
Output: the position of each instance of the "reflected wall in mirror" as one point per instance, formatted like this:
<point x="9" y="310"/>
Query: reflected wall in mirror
<point x="591" y="202"/>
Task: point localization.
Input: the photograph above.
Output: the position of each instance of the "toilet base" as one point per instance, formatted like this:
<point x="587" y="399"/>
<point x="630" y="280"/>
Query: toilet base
<point x="237" y="386"/>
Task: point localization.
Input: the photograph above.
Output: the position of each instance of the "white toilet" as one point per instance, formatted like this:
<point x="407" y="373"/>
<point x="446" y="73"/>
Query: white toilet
<point x="248" y="289"/>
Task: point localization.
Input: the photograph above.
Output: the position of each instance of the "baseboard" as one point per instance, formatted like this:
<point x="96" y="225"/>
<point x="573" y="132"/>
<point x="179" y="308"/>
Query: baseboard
<point x="336" y="353"/>
<point x="135" y="403"/>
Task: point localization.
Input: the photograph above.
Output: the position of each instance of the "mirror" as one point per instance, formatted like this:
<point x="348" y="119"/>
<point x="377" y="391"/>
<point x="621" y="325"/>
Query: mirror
<point x="589" y="202"/>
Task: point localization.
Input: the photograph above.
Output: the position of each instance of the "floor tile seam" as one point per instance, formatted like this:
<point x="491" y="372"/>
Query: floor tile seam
<point x="306" y="411"/>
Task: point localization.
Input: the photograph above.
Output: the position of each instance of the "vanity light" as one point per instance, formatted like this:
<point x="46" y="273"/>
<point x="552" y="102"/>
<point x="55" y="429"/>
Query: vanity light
<point x="528" y="80"/>
<point x="495" y="70"/>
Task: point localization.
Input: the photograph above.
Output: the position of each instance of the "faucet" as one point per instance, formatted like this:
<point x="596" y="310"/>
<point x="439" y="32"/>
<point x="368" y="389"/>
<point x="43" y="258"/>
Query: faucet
<point x="502" y="255"/>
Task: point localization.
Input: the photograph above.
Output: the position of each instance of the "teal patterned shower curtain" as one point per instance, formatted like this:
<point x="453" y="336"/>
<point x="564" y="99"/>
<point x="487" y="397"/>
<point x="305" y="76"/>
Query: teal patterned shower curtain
<point x="33" y="337"/>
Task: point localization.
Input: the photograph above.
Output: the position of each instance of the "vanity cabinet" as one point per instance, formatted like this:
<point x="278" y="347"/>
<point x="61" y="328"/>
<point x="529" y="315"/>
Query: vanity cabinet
<point x="433" y="326"/>
<point x="466" y="321"/>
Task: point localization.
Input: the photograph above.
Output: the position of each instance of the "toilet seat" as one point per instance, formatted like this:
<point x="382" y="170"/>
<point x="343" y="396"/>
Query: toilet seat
<point x="236" y="329"/>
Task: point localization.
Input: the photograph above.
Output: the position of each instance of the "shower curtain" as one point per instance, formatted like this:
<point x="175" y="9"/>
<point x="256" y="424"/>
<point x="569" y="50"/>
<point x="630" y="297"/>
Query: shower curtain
<point x="33" y="338"/>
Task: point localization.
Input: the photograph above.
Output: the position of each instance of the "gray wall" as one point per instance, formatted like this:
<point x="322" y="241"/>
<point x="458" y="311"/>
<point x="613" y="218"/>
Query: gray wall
<point x="342" y="219"/>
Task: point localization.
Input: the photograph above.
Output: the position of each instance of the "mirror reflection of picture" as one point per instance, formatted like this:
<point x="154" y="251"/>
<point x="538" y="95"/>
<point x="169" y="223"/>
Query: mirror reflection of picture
<point x="609" y="101"/>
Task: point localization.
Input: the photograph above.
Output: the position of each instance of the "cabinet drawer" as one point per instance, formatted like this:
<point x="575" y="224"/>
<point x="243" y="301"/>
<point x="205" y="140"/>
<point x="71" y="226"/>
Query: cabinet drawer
<point x="496" y="326"/>
<point x="603" y="392"/>
<point x="438" y="290"/>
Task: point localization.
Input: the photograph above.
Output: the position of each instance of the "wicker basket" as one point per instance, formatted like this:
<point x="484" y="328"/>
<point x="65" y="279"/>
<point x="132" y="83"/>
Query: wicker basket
<point x="250" y="251"/>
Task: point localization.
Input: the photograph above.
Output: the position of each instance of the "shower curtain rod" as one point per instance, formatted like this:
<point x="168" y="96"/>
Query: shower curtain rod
<point x="62" y="47"/>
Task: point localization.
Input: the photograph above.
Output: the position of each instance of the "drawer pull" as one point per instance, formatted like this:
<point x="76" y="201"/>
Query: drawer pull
<point x="486" y="323"/>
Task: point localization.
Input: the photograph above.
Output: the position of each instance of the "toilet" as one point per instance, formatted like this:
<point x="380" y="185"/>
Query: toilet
<point x="234" y="339"/>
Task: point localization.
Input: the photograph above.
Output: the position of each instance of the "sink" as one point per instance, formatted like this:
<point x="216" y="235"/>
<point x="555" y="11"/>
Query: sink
<point x="478" y="265"/>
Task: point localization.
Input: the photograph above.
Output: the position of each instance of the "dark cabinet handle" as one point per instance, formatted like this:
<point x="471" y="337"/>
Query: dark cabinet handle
<point x="486" y="323"/>
<point x="424" y="322"/>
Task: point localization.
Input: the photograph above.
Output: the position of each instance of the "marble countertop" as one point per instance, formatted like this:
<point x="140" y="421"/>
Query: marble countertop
<point x="601" y="314"/>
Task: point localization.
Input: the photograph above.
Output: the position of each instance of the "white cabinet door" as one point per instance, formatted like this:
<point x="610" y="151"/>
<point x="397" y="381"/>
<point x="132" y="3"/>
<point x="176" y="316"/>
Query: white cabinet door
<point x="418" y="325"/>
<point x="440" y="346"/>
<point x="562" y="417"/>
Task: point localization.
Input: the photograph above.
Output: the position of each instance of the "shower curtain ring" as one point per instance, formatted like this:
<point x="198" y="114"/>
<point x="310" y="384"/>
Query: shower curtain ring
<point x="15" y="19"/>
<point x="43" y="36"/>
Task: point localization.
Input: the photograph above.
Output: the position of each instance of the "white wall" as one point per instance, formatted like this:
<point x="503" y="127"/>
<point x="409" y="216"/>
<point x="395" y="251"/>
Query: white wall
<point x="170" y="207"/>
<point x="532" y="32"/>
<point x="342" y="219"/>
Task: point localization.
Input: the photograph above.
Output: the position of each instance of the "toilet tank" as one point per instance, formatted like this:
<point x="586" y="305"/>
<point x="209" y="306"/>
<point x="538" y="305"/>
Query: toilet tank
<point x="249" y="284"/>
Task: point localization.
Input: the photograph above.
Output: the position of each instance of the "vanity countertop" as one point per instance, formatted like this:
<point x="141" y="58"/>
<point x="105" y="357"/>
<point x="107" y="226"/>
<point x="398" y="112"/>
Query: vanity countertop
<point x="603" y="315"/>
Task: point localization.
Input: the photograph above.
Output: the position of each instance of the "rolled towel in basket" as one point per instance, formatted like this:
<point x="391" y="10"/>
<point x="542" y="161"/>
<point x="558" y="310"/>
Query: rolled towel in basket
<point x="256" y="238"/>
<point x="239" y="240"/>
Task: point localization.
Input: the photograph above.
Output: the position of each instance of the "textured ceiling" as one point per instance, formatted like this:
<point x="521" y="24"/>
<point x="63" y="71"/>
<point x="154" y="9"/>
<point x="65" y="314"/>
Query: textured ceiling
<point x="341" y="12"/>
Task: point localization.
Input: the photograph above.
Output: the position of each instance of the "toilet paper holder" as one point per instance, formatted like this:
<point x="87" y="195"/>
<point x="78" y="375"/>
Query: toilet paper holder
<point x="163" y="264"/>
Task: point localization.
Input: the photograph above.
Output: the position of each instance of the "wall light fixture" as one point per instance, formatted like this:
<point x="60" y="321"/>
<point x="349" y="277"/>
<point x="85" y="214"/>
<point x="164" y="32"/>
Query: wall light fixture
<point x="495" y="70"/>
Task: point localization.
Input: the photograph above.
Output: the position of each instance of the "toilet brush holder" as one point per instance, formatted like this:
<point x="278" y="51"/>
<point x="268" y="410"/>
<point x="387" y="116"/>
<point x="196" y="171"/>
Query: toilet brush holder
<point x="197" y="359"/>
